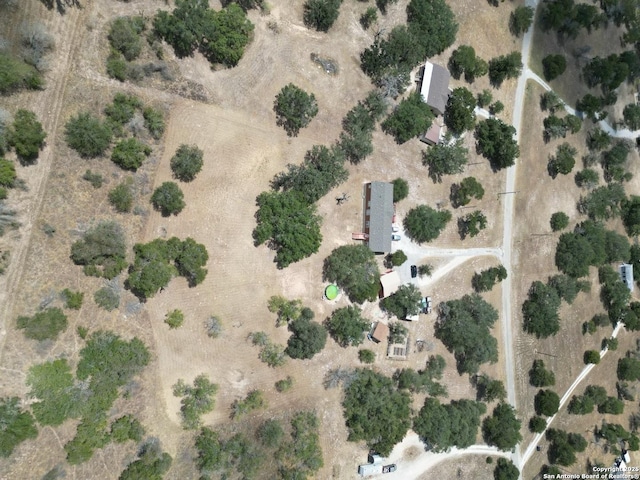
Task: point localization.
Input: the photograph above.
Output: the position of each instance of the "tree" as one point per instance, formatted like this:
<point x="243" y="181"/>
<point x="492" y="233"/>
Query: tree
<point x="463" y="60"/>
<point x="559" y="221"/>
<point x="403" y="302"/>
<point x="400" y="189"/>
<point x="17" y="425"/>
<point x="537" y="424"/>
<point x="26" y="136"/>
<point x="354" y="269"/>
<point x="294" y="109"/>
<point x="614" y="162"/>
<point x="563" y="161"/>
<point x="152" y="463"/>
<point x="46" y="324"/>
<point x="495" y="142"/>
<point x="580" y="405"/>
<point x="540" y="310"/>
<point x="289" y="225"/>
<point x="287" y="310"/>
<point x="504" y="67"/>
<point x="410" y="118"/>
<point x="445" y="159"/>
<point x="375" y="411"/>
<point x="396" y="258"/>
<point x="126" y="428"/>
<point x="191" y="257"/>
<point x="502" y="428"/>
<point x="87" y="135"/>
<point x="631" y="215"/>
<point x="196" y="400"/>
<point x="484" y="98"/>
<point x="561" y="449"/>
<point x="253" y="401"/>
<point x="611" y="405"/>
<point x="550" y="101"/>
<point x="320" y="14"/>
<point x="168" y="199"/>
<point x="553" y="66"/>
<point x="187" y="162"/>
<point x="486" y="279"/>
<point x="574" y="254"/>
<point x="121" y="197"/>
<point x="631" y="114"/>
<point x="464" y="327"/>
<point x="628" y="369"/>
<point x="591" y="106"/>
<point x="125" y="36"/>
<point x="459" y="114"/>
<point x="462" y="193"/>
<point x="424" y="224"/>
<point x="488" y="389"/>
<point x="568" y="287"/>
<point x="346" y="326"/>
<point x="587" y="178"/>
<point x="308" y="338"/>
<point x="520" y="20"/>
<point x="471" y="224"/>
<point x="433" y="26"/>
<point x="539" y="376"/>
<point x="546" y="402"/>
<point x="591" y="356"/>
<point x="101" y="246"/>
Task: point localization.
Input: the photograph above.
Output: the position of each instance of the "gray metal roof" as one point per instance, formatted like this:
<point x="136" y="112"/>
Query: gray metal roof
<point x="381" y="216"/>
<point x="626" y="275"/>
<point x="435" y="86"/>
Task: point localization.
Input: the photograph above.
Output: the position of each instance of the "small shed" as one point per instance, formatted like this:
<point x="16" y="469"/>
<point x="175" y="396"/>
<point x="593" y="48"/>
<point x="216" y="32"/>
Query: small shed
<point x="389" y="283"/>
<point x="381" y="332"/>
<point x="369" y="469"/>
<point x="432" y="136"/>
<point x="626" y="275"/>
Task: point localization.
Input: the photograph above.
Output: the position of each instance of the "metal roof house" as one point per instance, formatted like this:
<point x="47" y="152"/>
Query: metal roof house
<point x="435" y="87"/>
<point x="626" y="275"/>
<point x="378" y="215"/>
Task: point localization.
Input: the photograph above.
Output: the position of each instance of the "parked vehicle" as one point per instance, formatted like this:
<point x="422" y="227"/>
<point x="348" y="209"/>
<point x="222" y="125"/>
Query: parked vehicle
<point x="395" y="238"/>
<point x="389" y="468"/>
<point x="395" y="228"/>
<point x="414" y="271"/>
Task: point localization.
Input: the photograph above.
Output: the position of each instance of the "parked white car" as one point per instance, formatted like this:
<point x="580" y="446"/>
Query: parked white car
<point x="395" y="238"/>
<point x="395" y="228"/>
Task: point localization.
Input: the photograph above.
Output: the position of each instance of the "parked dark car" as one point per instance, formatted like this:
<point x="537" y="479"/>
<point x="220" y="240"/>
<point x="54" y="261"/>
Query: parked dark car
<point x="414" y="271"/>
<point x="389" y="468"/>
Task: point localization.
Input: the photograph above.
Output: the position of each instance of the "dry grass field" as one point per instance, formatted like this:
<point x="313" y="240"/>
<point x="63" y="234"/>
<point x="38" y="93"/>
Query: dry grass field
<point x="233" y="122"/>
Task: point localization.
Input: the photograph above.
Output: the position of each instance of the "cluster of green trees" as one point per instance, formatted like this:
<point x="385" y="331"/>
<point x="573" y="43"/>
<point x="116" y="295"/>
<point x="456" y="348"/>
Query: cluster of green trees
<point x="409" y="119"/>
<point x="358" y="126"/>
<point x="308" y="337"/>
<point x="158" y="261"/>
<point x="504" y="67"/>
<point x="471" y="224"/>
<point x="614" y="434"/>
<point x="486" y="279"/>
<point x="424" y="224"/>
<point x="270" y="353"/>
<point x="126" y="40"/>
<point x="355" y="270"/>
<point x="610" y="72"/>
<point x="488" y="389"/>
<point x="423" y="380"/>
<point x="567" y="18"/>
<point x="196" y="400"/>
<point x="556" y="127"/>
<point x="462" y="193"/>
<point x="496" y="143"/>
<point x="346" y="326"/>
<point x="502" y="428"/>
<point x="101" y="250"/>
<point x="296" y="456"/>
<point x="446" y="158"/>
<point x="464" y="61"/>
<point x="563" y="161"/>
<point x="152" y="463"/>
<point x="220" y="36"/>
<point x="463" y="326"/>
<point x="595" y="396"/>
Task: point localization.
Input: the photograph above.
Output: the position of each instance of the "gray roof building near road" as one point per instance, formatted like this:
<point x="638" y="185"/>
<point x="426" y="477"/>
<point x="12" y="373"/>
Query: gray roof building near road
<point x="626" y="275"/>
<point x="435" y="87"/>
<point x="378" y="215"/>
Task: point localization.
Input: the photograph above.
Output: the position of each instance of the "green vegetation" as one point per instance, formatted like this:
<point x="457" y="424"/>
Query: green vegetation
<point x="404" y="302"/>
<point x="375" y="411"/>
<point x="44" y="325"/>
<point x="539" y="376"/>
<point x="153" y="121"/>
<point x="464" y="326"/>
<point x="284" y="385"/>
<point x="563" y="447"/>
<point x="16" y="75"/>
<point x="486" y="279"/>
<point x="220" y="36"/>
<point x="73" y="300"/>
<point x="463" y="192"/>
<point x="631" y="215"/>
<point x="121" y="110"/>
<point x="196" y="400"/>
<point x="614" y="162"/>
<point x="107" y="298"/>
<point x="537" y="424"/>
<point x="550" y="101"/>
<point x="505" y="470"/>
<point x="294" y="239"/>
<point x="101" y="246"/>
<point x="614" y="434"/>
<point x="358" y="126"/>
<point x="553" y="66"/>
<point x="87" y="135"/>
<point x="495" y="142"/>
<point x="17" y="425"/>
<point x="463" y="60"/>
<point x="504" y="67"/>
<point x="395" y="259"/>
<point x="125" y="36"/>
<point x="453" y="425"/>
<point x="559" y="221"/>
<point x="563" y="161"/>
<point x="587" y="178"/>
<point x="631" y="115"/>
<point x="126" y="428"/>
<point x="95" y="179"/>
<point x="424" y="224"/>
<point x="591" y="356"/>
<point x="322" y="170"/>
<point x="614" y="294"/>
<point x="174" y="319"/>
<point x="168" y="199"/>
<point x="321" y="14"/>
<point x="502" y="428"/>
<point x="369" y="17"/>
<point x="366" y="356"/>
<point x="445" y="159"/>
<point x="520" y="20"/>
<point x="411" y="118"/>
<point x="423" y="380"/>
<point x="459" y="114"/>
<point x="546" y="402"/>
<point x="287" y="310"/>
<point x="121" y="196"/>
<point x="354" y="269"/>
<point x="566" y="18"/>
<point x="213" y="326"/>
<point x="397" y="333"/>
<point x="346" y="326"/>
<point x="130" y="153"/>
<point x="270" y="433"/>
<point x="187" y="162"/>
<point x="158" y="261"/>
<point x="628" y="369"/>
<point x="540" y="310"/>
<point x="400" y="189"/>
<point x="52" y="384"/>
<point x="152" y="463"/>
<point x="253" y="401"/>
<point x="471" y="224"/>
<point x="484" y="98"/>
<point x="294" y="109"/>
<point x="26" y="136"/>
<point x="307" y="339"/>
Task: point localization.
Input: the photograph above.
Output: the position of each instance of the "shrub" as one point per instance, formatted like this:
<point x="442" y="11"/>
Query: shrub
<point x="16" y="75"/>
<point x="107" y="298"/>
<point x="369" y="17"/>
<point x="126" y="428"/>
<point x="121" y="197"/>
<point x="284" y="384"/>
<point x="125" y="36"/>
<point x="130" y="153"/>
<point x="270" y="433"/>
<point x="153" y="121"/>
<point x="174" y="319"/>
<point x="187" y="162"/>
<point x="87" y="135"/>
<point x="122" y="109"/>
<point x="396" y="258"/>
<point x="559" y="221"/>
<point x="7" y="173"/>
<point x="320" y="14"/>
<point x="95" y="179"/>
<point x="18" y="425"/>
<point x="213" y="326"/>
<point x="117" y="66"/>
<point x="44" y="325"/>
<point x="26" y="136"/>
<point x="73" y="300"/>
<point x="253" y="401"/>
<point x="102" y="245"/>
<point x="168" y="199"/>
<point x="366" y="356"/>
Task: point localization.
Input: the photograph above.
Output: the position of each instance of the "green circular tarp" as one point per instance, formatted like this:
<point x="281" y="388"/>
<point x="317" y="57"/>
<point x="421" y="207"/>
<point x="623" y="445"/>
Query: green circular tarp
<point x="331" y="292"/>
